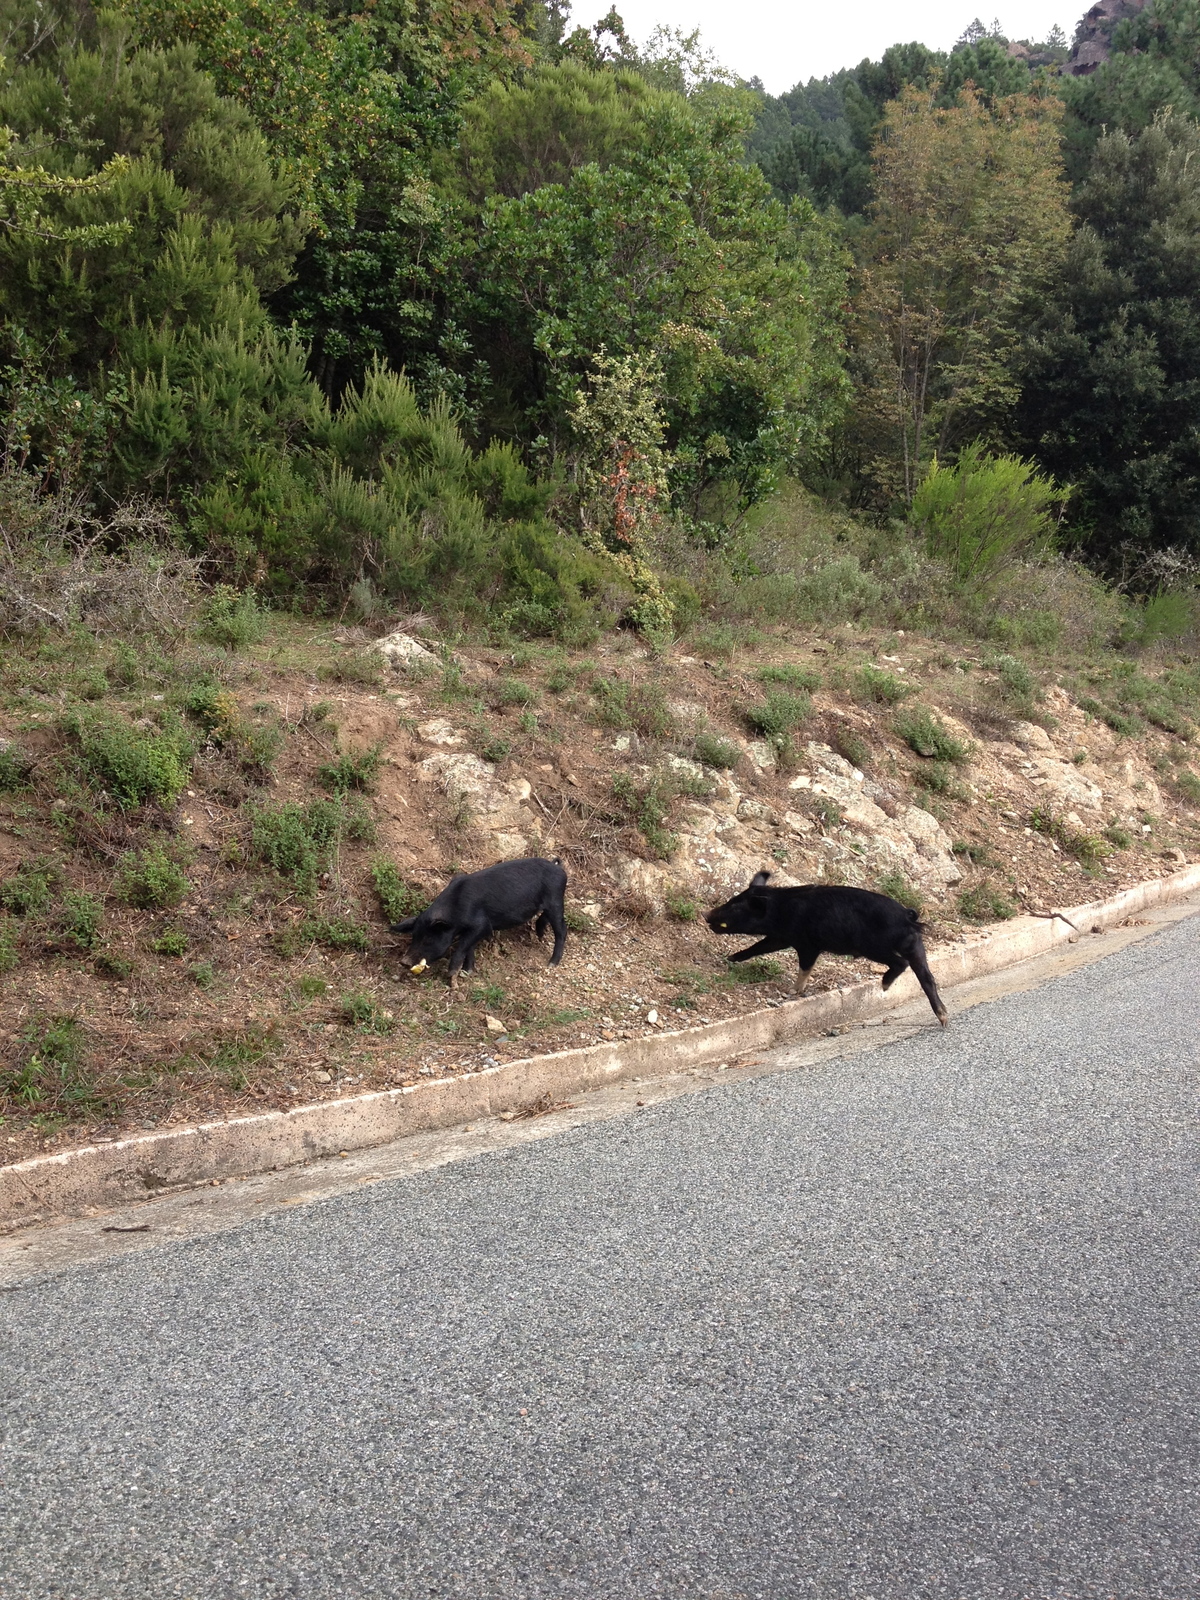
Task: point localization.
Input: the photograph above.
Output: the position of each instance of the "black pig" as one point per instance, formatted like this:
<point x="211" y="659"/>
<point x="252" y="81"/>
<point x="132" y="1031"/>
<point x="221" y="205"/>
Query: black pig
<point x="819" y="917"/>
<point x="474" y="905"/>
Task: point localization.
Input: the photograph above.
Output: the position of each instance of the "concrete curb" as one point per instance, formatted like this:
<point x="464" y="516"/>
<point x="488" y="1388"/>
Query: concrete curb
<point x="107" y="1175"/>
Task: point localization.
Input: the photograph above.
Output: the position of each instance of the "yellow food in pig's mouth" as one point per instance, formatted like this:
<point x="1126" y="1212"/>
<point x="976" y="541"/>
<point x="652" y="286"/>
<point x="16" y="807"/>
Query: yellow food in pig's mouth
<point x="420" y="967"/>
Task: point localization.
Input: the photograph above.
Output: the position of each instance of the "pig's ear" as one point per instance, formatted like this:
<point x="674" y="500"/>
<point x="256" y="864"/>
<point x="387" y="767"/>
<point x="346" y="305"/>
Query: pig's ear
<point x="406" y="926"/>
<point x="759" y="879"/>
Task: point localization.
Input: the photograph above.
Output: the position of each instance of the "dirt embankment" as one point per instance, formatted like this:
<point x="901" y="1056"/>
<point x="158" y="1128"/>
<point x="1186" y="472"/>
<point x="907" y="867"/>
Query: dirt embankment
<point x="262" y="972"/>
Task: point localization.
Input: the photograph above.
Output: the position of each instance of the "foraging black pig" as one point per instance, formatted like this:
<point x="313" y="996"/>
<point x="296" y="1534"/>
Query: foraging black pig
<point x="474" y="905"/>
<point x="820" y="917"/>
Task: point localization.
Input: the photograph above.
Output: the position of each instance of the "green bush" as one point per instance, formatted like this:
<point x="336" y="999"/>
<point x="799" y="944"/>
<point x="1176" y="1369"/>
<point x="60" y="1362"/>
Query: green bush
<point x="1121" y="838"/>
<point x="1188" y="785"/>
<point x="852" y="747"/>
<point x="983" y="903"/>
<point x="133" y="764"/>
<point x="494" y="748"/>
<point x="648" y="803"/>
<point x="351" y="771"/>
<point x="337" y="933"/>
<point x="30" y="889"/>
<point x="108" y="965"/>
<point x="77" y="919"/>
<point x="1087" y="848"/>
<point x="682" y="907"/>
<point x="398" y="898"/>
<point x="296" y="840"/>
<point x="152" y="880"/>
<point x="512" y="692"/>
<point x="50" y="1073"/>
<point x="15" y="768"/>
<point x="232" y="619"/>
<point x="883" y="688"/>
<point x="922" y="732"/>
<point x="791" y="677"/>
<point x="985" y="511"/>
<point x="363" y="1012"/>
<point x="779" y="715"/>
<point x="713" y="751"/>
<point x="641" y="706"/>
<point x="897" y="887"/>
<point x="9" y="949"/>
<point x="171" y="942"/>
<point x="939" y="778"/>
<point x="203" y="974"/>
<point x="1016" y="680"/>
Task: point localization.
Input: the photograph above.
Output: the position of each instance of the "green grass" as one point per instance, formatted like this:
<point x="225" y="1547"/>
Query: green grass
<point x="363" y="1012"/>
<point x="15" y="768"/>
<point x="351" y="771"/>
<point x="10" y="954"/>
<point x="1119" y="838"/>
<point x="881" y="688"/>
<point x="713" y="751"/>
<point x="778" y="716"/>
<point x="648" y="804"/>
<point x="761" y="970"/>
<point x="51" y="1074"/>
<point x="30" y="889"/>
<point x="1089" y="849"/>
<point x="76" y="921"/>
<point x="1188" y="785"/>
<point x="232" y="619"/>
<point x="152" y="879"/>
<point x="488" y="994"/>
<point x="922" y="732"/>
<point x="984" y="903"/>
<point x="897" y="887"/>
<point x="133" y="765"/>
<point x="852" y="747"/>
<point x="338" y="933"/>
<point x="398" y="898"/>
<point x="296" y="840"/>
<point x="109" y="965"/>
<point x="682" y="907"/>
<point x="172" y="942"/>
<point x="939" y="778"/>
<point x="512" y="692"/>
<point x="641" y="707"/>
<point x="578" y="922"/>
<point x="791" y="677"/>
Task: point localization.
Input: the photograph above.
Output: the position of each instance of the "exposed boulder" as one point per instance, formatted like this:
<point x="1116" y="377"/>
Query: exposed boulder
<point x="403" y="651"/>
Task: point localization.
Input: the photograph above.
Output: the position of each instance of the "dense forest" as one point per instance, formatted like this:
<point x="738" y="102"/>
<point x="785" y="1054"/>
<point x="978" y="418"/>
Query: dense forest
<point x="452" y="304"/>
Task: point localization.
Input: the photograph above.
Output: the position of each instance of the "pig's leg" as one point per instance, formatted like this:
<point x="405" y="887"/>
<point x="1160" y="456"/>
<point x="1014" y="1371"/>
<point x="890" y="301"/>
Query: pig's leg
<point x="764" y="947"/>
<point x="464" y="953"/>
<point x="808" y="959"/>
<point x="915" y="955"/>
<point x="898" y="965"/>
<point x="556" y="917"/>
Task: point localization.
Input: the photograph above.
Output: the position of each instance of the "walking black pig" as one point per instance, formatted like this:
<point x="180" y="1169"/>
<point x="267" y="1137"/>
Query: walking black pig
<point x="815" y="917"/>
<point x="474" y="905"/>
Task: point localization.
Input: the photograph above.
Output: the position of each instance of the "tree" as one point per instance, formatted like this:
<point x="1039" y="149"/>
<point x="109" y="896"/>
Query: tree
<point x="968" y="227"/>
<point x="1112" y="384"/>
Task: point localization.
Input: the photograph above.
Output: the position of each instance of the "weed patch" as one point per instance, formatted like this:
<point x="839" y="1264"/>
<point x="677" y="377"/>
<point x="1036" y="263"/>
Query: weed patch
<point x="641" y="707"/>
<point x="134" y="765"/>
<point x="10" y="954"/>
<point x="922" y="732"/>
<point x="296" y="840"/>
<point x="791" y="677"/>
<point x="51" y="1074"/>
<point x="398" y="898"/>
<point x="363" y="1012"/>
<point x="713" y="751"/>
<point x="984" y="903"/>
<point x="1087" y="848"/>
<point x="351" y="771"/>
<point x="172" y="942"/>
<point x="778" y="716"/>
<point x="898" y="888"/>
<point x="852" y="747"/>
<point x="648" y="805"/>
<point x="881" y="688"/>
<point x="761" y="970"/>
<point x="232" y="619"/>
<point x="152" y="880"/>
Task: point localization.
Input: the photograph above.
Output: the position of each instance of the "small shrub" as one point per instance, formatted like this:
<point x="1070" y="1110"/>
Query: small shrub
<point x="398" y="898"/>
<point x="364" y="668"/>
<point x="230" y="1058"/>
<point x="641" y="707"/>
<point x="203" y="974"/>
<point x="30" y="890"/>
<point x="579" y="922"/>
<point x="897" y="887"/>
<point x="1123" y="722"/>
<point x="792" y="677"/>
<point x="881" y="688"/>
<point x="716" y="752"/>
<point x="488" y="994"/>
<point x="1087" y="848"/>
<point x="50" y="1072"/>
<point x="682" y="907"/>
<point x="15" y="768"/>
<point x="939" y="778"/>
<point x="134" y="765"/>
<point x="172" y="942"/>
<point x="310" y="987"/>
<point x="9" y="950"/>
<point x="338" y="933"/>
<point x="1119" y="838"/>
<point x="761" y="970"/>
<point x="984" y="511"/>
<point x="1016" y="681"/>
<point x="151" y="880"/>
<point x="852" y="747"/>
<point x="512" y="692"/>
<point x="361" y="1011"/>
<point x="351" y="771"/>
<point x="778" y="716"/>
<point x="232" y="619"/>
<point x="922" y="732"/>
<point x="76" y="922"/>
<point x="978" y="853"/>
<point x="1188" y="785"/>
<point x="649" y="806"/>
<point x="493" y="748"/>
<point x="110" y="965"/>
<point x="296" y="840"/>
<point x="984" y="903"/>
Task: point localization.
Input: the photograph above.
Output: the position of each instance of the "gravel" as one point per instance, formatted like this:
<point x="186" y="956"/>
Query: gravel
<point x="918" y="1324"/>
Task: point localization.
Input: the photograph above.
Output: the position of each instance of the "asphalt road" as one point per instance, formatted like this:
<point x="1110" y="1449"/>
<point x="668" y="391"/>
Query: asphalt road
<point x="922" y="1323"/>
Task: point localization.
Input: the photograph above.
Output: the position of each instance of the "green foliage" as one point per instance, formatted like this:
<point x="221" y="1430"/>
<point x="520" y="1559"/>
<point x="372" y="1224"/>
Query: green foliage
<point x="760" y="970"/>
<point x="1087" y="848"/>
<point x="922" y="732"/>
<point x="351" y="771"/>
<point x="310" y="987"/>
<point x="682" y="907"/>
<point x="171" y="942"/>
<point x="579" y="922"/>
<point x="984" y="511"/>
<point x="897" y="887"/>
<point x="984" y="903"/>
<point x="232" y="619"/>
<point x="134" y="765"/>
<point x="640" y="706"/>
<point x="714" y="751"/>
<point x="30" y="889"/>
<point x="792" y="677"/>
<point x="648" y="803"/>
<point x="1121" y="838"/>
<point x="398" y="898"/>
<point x="337" y="933"/>
<point x="1018" y="683"/>
<point x="852" y="747"/>
<point x="10" y="954"/>
<point x="110" y="965"/>
<point x="15" y="768"/>
<point x="296" y="840"/>
<point x="884" y="688"/>
<point x="363" y="1012"/>
<point x="152" y="879"/>
<point x="778" y="716"/>
<point x="51" y="1073"/>
<point x="1188" y="785"/>
<point x="76" y="921"/>
<point x="939" y="778"/>
<point x="203" y="974"/>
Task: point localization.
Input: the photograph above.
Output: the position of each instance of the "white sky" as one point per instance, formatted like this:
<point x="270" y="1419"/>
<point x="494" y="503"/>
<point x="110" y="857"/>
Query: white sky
<point x="788" y="43"/>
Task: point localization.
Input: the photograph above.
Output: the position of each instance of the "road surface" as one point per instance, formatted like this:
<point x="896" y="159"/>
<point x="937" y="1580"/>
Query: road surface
<point x="922" y="1324"/>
